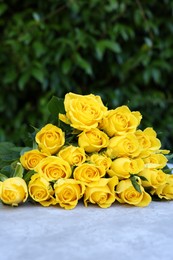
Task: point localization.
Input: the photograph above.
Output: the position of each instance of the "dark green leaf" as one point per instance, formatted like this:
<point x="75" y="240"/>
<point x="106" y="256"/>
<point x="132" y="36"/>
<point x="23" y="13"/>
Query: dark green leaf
<point x="66" y="66"/>
<point x="168" y="171"/>
<point x="7" y="171"/>
<point x="56" y="106"/>
<point x="8" y="152"/>
<point x="25" y="149"/>
<point x="38" y="74"/>
<point x="3" y="8"/>
<point x="3" y="177"/>
<point x="23" y="80"/>
<point x="169" y="156"/>
<point x="39" y="48"/>
<point x="135" y="183"/>
<point x="83" y="64"/>
<point x="143" y="178"/>
<point x="27" y="176"/>
<point x="29" y="138"/>
<point x="106" y="44"/>
<point x="3" y="163"/>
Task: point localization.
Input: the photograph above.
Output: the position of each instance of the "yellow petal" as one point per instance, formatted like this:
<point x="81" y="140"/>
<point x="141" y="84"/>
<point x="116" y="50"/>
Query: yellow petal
<point x="47" y="203"/>
<point x="145" y="201"/>
<point x="112" y="183"/>
<point x="64" y="119"/>
<point x="123" y="185"/>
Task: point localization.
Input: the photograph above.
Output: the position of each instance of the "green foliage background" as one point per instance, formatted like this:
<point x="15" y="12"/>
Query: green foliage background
<point x="121" y="50"/>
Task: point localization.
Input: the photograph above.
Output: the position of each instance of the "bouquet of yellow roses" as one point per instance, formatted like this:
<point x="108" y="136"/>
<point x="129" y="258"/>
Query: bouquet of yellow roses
<point x="88" y="153"/>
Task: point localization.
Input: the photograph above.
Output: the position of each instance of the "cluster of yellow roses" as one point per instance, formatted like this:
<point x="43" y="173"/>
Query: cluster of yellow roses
<point x="111" y="161"/>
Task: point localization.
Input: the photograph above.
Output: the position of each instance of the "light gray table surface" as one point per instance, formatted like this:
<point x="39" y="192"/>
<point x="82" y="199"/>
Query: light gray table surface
<point x="30" y="232"/>
<point x="121" y="232"/>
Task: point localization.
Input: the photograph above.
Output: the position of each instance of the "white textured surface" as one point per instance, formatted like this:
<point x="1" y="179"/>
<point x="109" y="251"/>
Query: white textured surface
<point x="121" y="232"/>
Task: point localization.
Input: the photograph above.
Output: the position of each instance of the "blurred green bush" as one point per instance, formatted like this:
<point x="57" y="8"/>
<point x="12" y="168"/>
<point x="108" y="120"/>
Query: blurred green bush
<point x="121" y="50"/>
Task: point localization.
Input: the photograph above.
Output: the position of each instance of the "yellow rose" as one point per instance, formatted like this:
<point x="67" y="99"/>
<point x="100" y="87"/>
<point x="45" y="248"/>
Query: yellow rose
<point x="101" y="159"/>
<point x="165" y="191"/>
<point x="31" y="159"/>
<point x="13" y="191"/>
<point x="155" y="142"/>
<point x="154" y="177"/>
<point x="101" y="192"/>
<point x="148" y="141"/>
<point x="87" y="172"/>
<point x="123" y="167"/>
<point x="126" y="193"/>
<point x="73" y="155"/>
<point x="123" y="146"/>
<point x="93" y="140"/>
<point x="68" y="192"/>
<point x="158" y="161"/>
<point x="53" y="168"/>
<point x="50" y="139"/>
<point x="41" y="190"/>
<point x="83" y="111"/>
<point x="120" y="121"/>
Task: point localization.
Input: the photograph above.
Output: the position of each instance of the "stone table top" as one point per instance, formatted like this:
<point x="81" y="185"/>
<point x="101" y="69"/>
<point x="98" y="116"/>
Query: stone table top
<point x="120" y="232"/>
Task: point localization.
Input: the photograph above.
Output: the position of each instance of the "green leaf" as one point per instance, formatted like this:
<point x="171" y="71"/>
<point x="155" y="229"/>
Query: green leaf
<point x="135" y="183"/>
<point x="27" y="176"/>
<point x="156" y="75"/>
<point x="18" y="170"/>
<point x="169" y="156"/>
<point x="3" y="177"/>
<point x="66" y="66"/>
<point x="143" y="178"/>
<point x="23" y="80"/>
<point x="83" y="64"/>
<point x="39" y="48"/>
<point x="8" y="152"/>
<point x="7" y="171"/>
<point x="38" y="74"/>
<point x="10" y="76"/>
<point x="36" y="16"/>
<point x="25" y="149"/>
<point x="148" y="42"/>
<point x="168" y="171"/>
<point x="3" y="163"/>
<point x="56" y="106"/>
<point x="106" y="44"/>
<point x="3" y="8"/>
<point x="29" y="138"/>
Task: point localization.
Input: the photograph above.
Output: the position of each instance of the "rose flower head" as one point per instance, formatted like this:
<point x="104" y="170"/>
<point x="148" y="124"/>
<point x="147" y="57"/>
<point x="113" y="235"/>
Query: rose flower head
<point x="31" y="159"/>
<point x="13" y="191"/>
<point x="165" y="191"/>
<point x="148" y="141"/>
<point x="101" y="192"/>
<point x="93" y="140"/>
<point x="101" y="159"/>
<point x="68" y="192"/>
<point x="123" y="146"/>
<point x="124" y="166"/>
<point x="83" y="111"/>
<point x="126" y="193"/>
<point x="50" y="139"/>
<point x="41" y="190"/>
<point x="120" y="121"/>
<point x="53" y="168"/>
<point x="88" y="172"/>
<point x="155" y="160"/>
<point x="154" y="177"/>
<point x="74" y="155"/>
